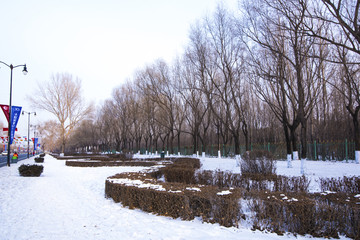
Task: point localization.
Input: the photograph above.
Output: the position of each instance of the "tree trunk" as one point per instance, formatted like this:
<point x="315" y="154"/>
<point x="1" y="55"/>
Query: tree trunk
<point x="172" y="142"/>
<point x="356" y="129"/>
<point x="178" y="142"/>
<point x="303" y="141"/>
<point x="293" y="138"/>
<point x="237" y="144"/>
<point x="194" y="143"/>
<point x="246" y="135"/>
<point x="287" y="139"/>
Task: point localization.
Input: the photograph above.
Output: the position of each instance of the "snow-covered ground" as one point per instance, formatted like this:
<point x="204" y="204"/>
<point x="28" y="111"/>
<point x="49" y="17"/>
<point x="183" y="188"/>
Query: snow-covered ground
<point x="69" y="203"/>
<point x="313" y="169"/>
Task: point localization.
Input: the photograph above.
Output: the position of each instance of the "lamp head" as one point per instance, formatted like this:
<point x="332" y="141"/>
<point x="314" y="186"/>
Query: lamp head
<point x="25" y="70"/>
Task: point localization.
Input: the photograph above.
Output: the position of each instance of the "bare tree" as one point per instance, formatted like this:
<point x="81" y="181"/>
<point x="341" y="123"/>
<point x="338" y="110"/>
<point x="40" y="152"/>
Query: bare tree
<point x="157" y="82"/>
<point x="194" y="103"/>
<point x="85" y="137"/>
<point x="218" y="56"/>
<point x="108" y="127"/>
<point x="50" y="138"/>
<point x="348" y="86"/>
<point x="61" y="96"/>
<point x="296" y="78"/>
<point x="341" y="18"/>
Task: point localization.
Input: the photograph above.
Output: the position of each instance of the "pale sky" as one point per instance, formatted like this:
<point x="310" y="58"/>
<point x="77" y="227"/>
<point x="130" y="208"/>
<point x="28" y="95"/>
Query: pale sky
<point x="101" y="42"/>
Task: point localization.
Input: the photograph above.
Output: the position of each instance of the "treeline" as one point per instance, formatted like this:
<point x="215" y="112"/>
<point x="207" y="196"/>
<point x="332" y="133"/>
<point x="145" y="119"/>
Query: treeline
<point x="274" y="71"/>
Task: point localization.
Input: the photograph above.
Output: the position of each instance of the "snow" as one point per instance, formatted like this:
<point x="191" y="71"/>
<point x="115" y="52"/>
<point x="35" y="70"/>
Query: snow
<point x="69" y="203"/>
<point x="225" y="192"/>
<point x="138" y="183"/>
<point x="193" y="189"/>
<point x="313" y="170"/>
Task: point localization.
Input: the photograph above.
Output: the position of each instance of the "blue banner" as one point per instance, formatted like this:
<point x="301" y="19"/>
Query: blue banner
<point x="15" y="115"/>
<point x="35" y="143"/>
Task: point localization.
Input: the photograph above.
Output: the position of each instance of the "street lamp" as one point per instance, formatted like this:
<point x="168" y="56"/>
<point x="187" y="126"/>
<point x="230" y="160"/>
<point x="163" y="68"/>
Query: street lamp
<point x="29" y="113"/>
<point x="34" y="145"/>
<point x="11" y="73"/>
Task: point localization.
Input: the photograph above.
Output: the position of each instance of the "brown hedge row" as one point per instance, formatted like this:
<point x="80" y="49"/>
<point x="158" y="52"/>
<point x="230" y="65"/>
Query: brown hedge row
<point x="179" y="201"/>
<point x="109" y="163"/>
<point x="251" y="182"/>
<point x="27" y="170"/>
<point x="71" y="157"/>
<point x="182" y="170"/>
<point x="344" y="185"/>
<point x="39" y="159"/>
<point x="113" y="157"/>
<point x="314" y="214"/>
<point x="278" y="203"/>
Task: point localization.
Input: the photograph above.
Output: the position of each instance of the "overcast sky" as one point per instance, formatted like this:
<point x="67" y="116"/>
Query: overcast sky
<point x="100" y="42"/>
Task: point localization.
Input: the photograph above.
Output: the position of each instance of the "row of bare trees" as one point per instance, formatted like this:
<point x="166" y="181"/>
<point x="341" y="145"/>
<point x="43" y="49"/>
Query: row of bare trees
<point x="276" y="71"/>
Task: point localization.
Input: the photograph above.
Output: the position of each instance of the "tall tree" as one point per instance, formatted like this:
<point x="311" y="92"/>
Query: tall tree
<point x="193" y="100"/>
<point x="274" y="19"/>
<point x="218" y="56"/>
<point x="341" y="18"/>
<point x="61" y="96"/>
<point x="158" y="82"/>
<point x="49" y="132"/>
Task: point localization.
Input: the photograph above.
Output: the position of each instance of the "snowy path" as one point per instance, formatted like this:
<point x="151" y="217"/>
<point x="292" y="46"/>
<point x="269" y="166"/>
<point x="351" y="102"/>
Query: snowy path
<point x="69" y="203"/>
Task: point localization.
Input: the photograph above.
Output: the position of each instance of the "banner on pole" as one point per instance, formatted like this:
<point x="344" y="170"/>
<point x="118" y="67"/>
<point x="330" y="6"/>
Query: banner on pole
<point x="6" y="129"/>
<point x="5" y="109"/>
<point x="15" y="115"/>
<point x="35" y="143"/>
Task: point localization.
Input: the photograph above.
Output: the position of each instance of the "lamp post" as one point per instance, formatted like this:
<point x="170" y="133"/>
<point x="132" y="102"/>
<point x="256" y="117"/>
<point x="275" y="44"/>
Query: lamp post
<point x="34" y="145"/>
<point x="29" y="113"/>
<point x="9" y="122"/>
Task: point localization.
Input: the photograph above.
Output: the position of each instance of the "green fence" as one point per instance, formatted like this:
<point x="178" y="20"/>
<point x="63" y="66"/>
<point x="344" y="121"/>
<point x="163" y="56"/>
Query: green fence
<point x="338" y="151"/>
<point x="331" y="151"/>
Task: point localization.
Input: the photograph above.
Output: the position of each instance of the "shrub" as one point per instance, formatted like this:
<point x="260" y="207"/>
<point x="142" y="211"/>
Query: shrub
<point x="188" y="162"/>
<point x="70" y="157"/>
<point x="318" y="215"/>
<point x="108" y="164"/>
<point x="276" y="203"/>
<point x="39" y="159"/>
<point x="253" y="182"/>
<point x="258" y="162"/>
<point x="178" y="200"/>
<point x="182" y="170"/>
<point x="179" y="174"/>
<point x="345" y="185"/>
<point x="30" y="170"/>
<point x="101" y="158"/>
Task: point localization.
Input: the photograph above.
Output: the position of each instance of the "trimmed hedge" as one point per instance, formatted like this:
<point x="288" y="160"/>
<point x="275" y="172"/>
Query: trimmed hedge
<point x="72" y="157"/>
<point x="316" y="214"/>
<point x="182" y="170"/>
<point x="39" y="159"/>
<point x="253" y="182"/>
<point x="344" y="185"/>
<point x="277" y="203"/>
<point x="179" y="201"/>
<point x="30" y="170"/>
<point x="109" y="164"/>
